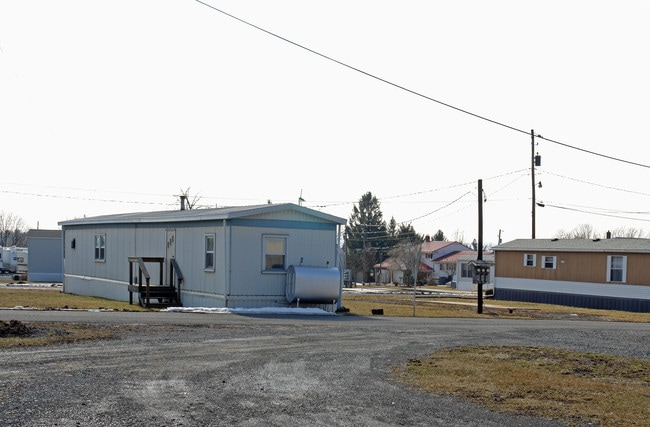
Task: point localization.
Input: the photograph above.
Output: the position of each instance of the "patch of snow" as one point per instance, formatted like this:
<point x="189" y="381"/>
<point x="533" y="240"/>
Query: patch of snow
<point x="263" y="310"/>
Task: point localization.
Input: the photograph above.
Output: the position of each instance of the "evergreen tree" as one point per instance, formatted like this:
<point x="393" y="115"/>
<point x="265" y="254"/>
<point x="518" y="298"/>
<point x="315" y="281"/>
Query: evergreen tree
<point x="392" y="233"/>
<point x="366" y="236"/>
<point x="439" y="236"/>
<point x="406" y="233"/>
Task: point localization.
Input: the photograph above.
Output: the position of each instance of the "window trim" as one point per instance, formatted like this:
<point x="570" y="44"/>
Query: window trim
<point x="623" y="269"/>
<point x="526" y="255"/>
<point x="207" y="252"/>
<point x="99" y="251"/>
<point x="268" y="237"/>
<point x="554" y="262"/>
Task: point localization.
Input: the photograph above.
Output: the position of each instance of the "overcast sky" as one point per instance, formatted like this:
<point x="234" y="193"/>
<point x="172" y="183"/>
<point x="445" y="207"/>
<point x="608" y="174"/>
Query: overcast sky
<point x="109" y="107"/>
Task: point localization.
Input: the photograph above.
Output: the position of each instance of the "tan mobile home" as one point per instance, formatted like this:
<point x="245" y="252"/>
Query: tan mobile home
<point x="600" y="273"/>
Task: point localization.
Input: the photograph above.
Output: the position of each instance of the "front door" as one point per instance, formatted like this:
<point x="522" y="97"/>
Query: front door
<point x="170" y="253"/>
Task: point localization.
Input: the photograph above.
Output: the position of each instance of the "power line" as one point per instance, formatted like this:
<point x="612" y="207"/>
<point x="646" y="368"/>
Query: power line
<point x="437" y="210"/>
<point x="82" y="198"/>
<point x="93" y="190"/>
<point x="598" y="185"/>
<point x="594" y="153"/>
<point x="413" y="92"/>
<point x="592" y="213"/>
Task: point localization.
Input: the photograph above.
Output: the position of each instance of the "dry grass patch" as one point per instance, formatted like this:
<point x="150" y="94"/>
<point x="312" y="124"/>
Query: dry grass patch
<point x="569" y="386"/>
<point x="402" y="306"/>
<point x="55" y="299"/>
<point x="18" y="334"/>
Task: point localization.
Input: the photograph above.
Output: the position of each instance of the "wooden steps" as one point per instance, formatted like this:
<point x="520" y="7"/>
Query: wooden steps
<point x="155" y="296"/>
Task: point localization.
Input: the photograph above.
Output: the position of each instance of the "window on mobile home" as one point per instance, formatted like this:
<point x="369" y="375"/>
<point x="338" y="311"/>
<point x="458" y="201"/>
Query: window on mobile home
<point x="209" y="252"/>
<point x="549" y="262"/>
<point x="616" y="268"/>
<point x="275" y="253"/>
<point x="530" y="260"/>
<point x="100" y="247"/>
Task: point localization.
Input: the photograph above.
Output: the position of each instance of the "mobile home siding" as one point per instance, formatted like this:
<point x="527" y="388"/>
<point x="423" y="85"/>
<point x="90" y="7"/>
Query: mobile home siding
<point x="45" y="256"/>
<point x="247" y="259"/>
<point x="580" y="276"/>
<point x="572" y="266"/>
<point x="237" y="280"/>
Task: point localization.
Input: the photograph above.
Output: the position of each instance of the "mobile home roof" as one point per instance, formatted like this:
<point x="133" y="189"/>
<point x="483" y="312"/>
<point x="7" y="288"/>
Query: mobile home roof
<point x="631" y="245"/>
<point x="190" y="215"/>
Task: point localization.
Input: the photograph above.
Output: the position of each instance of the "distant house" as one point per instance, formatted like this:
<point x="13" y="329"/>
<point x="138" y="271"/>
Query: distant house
<point x="249" y="256"/>
<point x="464" y="277"/>
<point x="392" y="271"/>
<point x="436" y="255"/>
<point x="45" y="248"/>
<point x="601" y="273"/>
<point x="437" y="264"/>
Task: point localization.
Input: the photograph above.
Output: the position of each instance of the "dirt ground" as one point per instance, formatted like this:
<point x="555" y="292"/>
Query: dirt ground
<point x="197" y="369"/>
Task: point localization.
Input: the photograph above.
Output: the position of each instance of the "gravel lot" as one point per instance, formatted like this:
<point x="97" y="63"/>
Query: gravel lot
<point x="186" y="369"/>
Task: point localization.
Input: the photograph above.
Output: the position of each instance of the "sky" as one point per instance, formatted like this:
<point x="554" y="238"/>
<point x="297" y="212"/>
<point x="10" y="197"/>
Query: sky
<point x="113" y="107"/>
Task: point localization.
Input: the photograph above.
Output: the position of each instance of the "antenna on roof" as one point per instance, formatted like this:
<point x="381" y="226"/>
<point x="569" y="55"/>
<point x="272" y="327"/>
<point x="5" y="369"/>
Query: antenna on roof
<point x="300" y="199"/>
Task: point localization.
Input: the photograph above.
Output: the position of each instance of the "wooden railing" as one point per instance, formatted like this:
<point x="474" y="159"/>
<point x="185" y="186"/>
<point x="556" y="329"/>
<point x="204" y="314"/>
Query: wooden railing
<point x="146" y="291"/>
<point x="175" y="272"/>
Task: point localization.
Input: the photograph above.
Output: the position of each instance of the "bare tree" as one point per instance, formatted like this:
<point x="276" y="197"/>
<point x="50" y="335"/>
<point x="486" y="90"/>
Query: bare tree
<point x="562" y="234"/>
<point x="584" y="231"/>
<point x="13" y="231"/>
<point x="408" y="254"/>
<point x="631" y="232"/>
<point x="188" y="202"/>
<point x="459" y="237"/>
<point x="413" y="254"/>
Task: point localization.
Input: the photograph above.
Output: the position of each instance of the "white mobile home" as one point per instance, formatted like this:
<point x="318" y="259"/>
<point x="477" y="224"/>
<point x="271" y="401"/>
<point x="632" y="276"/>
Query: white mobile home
<point x="10" y="259"/>
<point x="45" y="256"/>
<point x="228" y="257"/>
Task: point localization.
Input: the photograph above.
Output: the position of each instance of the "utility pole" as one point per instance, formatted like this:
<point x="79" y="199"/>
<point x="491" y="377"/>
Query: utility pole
<point x="480" y="220"/>
<point x="479" y="258"/>
<point x="532" y="174"/>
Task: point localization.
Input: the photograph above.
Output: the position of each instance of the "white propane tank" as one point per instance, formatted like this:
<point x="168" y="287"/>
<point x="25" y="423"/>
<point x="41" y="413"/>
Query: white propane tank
<point x="313" y="284"/>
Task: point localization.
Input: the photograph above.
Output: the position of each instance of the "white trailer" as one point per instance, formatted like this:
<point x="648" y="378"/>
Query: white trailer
<point x="10" y="259"/>
<point x="21" y="260"/>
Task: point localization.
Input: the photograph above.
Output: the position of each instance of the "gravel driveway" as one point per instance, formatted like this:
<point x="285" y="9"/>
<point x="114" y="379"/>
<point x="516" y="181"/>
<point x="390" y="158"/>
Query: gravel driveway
<point x="186" y="369"/>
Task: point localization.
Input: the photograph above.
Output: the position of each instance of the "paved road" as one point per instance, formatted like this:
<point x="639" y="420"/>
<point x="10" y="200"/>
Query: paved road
<point x="185" y="369"/>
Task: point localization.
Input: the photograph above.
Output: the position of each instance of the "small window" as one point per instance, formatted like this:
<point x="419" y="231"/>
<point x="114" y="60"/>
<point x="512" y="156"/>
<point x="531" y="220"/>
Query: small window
<point x="100" y="247"/>
<point x="466" y="270"/>
<point x="530" y="260"/>
<point x="549" y="262"/>
<point x="275" y="253"/>
<point x="209" y="252"/>
<point x="616" y="268"/>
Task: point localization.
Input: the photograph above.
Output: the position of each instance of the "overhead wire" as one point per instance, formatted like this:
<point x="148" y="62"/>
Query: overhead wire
<point x="609" y="187"/>
<point x="413" y="92"/>
<point x="137" y="202"/>
<point x="593" y="213"/>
